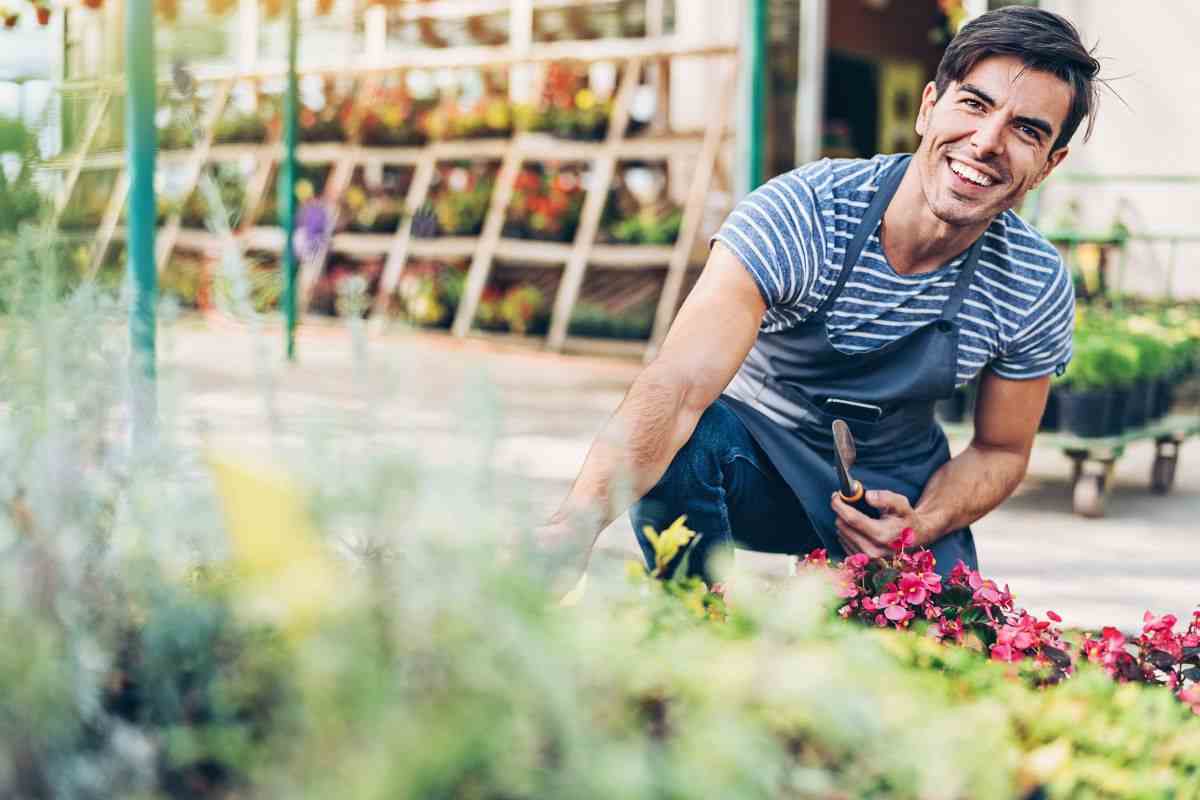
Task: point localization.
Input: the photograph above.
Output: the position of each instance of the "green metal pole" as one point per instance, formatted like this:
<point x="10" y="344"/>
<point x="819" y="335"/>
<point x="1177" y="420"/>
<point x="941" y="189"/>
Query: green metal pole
<point x="142" y="143"/>
<point x="756" y="96"/>
<point x="287" y="182"/>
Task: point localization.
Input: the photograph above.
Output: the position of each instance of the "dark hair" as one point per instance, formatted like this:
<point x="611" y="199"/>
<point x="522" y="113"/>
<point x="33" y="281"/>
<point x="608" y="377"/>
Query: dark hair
<point x="1044" y="41"/>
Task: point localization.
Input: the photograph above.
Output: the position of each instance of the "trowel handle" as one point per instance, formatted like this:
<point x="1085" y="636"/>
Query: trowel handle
<point x="858" y="501"/>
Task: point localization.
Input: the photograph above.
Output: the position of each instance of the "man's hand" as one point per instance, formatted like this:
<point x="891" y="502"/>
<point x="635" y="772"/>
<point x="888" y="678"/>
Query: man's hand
<point x="565" y="549"/>
<point x="858" y="533"/>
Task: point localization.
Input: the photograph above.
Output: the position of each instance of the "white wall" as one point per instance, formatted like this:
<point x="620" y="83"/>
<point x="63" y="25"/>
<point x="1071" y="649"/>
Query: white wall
<point x="1150" y="52"/>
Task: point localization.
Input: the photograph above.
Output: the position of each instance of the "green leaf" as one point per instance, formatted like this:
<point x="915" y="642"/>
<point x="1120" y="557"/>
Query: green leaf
<point x="1161" y="659"/>
<point x="881" y="579"/>
<point x="955" y="596"/>
<point x="1059" y="658"/>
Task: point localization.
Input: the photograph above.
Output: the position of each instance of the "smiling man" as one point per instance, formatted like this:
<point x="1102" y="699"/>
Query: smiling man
<point x="865" y="290"/>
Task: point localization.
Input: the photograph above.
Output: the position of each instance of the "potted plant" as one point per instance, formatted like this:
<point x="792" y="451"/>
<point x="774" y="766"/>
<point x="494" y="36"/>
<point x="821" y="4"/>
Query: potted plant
<point x="241" y="127"/>
<point x="430" y="292"/>
<point x="546" y="205"/>
<point x="597" y="321"/>
<point x="458" y="202"/>
<point x="1091" y="398"/>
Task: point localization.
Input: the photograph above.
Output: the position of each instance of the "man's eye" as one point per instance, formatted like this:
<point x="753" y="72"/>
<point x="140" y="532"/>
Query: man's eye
<point x="972" y="102"/>
<point x="1032" y="133"/>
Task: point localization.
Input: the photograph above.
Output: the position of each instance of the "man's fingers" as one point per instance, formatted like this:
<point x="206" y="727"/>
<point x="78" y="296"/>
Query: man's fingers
<point x="857" y="520"/>
<point x="889" y="502"/>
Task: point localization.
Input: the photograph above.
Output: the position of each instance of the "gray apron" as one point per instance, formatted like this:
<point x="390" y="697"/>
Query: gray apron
<point x="780" y="390"/>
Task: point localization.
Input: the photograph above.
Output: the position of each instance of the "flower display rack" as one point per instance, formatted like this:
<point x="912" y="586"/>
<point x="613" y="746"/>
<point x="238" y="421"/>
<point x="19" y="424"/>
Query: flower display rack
<point x="667" y="263"/>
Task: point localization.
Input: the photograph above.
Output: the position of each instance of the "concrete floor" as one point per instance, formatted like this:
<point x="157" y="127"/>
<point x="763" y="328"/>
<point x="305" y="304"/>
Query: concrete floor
<point x="426" y="391"/>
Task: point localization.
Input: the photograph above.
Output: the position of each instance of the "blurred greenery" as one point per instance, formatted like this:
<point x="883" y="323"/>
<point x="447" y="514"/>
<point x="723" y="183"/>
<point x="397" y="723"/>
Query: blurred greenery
<point x="367" y="625"/>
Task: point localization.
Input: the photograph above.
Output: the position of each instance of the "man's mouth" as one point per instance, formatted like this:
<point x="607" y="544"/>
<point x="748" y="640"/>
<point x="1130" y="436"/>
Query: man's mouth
<point x="968" y="175"/>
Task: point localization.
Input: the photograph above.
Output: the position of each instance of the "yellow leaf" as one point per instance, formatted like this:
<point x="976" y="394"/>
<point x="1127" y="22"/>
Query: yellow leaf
<point x="283" y="569"/>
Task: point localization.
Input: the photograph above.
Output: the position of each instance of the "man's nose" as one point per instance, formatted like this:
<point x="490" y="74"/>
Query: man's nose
<point x="988" y="138"/>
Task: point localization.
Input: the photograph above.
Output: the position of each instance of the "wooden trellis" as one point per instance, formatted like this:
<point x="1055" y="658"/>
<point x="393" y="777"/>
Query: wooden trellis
<point x="574" y="258"/>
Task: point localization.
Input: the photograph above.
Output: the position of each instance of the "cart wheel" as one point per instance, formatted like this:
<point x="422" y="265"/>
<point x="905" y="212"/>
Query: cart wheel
<point x="1088" y="496"/>
<point x="1162" y="475"/>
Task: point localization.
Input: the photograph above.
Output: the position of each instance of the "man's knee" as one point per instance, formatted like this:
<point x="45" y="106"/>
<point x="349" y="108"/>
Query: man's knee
<point x="718" y="435"/>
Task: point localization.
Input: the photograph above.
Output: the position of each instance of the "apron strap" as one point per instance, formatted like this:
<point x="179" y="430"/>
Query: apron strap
<point x="889" y="182"/>
<point x="963" y="284"/>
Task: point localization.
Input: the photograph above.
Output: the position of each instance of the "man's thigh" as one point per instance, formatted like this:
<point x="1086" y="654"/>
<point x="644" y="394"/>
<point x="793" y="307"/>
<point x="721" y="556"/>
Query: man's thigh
<point x="764" y="513"/>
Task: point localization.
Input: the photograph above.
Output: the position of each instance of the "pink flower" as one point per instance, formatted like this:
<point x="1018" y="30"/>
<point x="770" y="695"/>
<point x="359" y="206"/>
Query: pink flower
<point x="858" y="561"/>
<point x="906" y="539"/>
<point x="1004" y="652"/>
<point x="898" y="614"/>
<point x="1053" y="616"/>
<point x="913" y="589"/>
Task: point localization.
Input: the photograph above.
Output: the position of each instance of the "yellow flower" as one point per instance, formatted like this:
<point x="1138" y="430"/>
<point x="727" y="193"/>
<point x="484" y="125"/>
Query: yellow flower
<point x="304" y="190"/>
<point x="392" y="116"/>
<point x="585" y="100"/>
<point x="283" y="573"/>
<point x="356" y="198"/>
<point x="668" y="543"/>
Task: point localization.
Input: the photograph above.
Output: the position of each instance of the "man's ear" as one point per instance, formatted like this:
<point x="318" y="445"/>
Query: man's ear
<point x="1053" y="161"/>
<point x="928" y="97"/>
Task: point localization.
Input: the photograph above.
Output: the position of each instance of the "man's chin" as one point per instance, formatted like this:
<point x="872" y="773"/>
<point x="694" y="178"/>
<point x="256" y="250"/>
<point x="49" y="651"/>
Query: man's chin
<point x="962" y="215"/>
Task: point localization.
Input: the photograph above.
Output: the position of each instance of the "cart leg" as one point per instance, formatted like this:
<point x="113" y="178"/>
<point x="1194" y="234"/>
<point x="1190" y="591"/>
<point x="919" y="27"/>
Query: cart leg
<point x="1162" y="472"/>
<point x="1092" y="480"/>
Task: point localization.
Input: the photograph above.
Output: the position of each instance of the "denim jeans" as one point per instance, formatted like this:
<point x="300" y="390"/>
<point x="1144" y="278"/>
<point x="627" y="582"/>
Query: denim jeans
<point x="732" y="495"/>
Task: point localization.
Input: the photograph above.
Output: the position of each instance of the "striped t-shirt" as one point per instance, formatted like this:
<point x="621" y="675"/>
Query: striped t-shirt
<point x="791" y="233"/>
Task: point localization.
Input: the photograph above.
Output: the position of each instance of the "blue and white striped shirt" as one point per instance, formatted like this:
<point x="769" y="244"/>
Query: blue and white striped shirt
<point x="791" y="233"/>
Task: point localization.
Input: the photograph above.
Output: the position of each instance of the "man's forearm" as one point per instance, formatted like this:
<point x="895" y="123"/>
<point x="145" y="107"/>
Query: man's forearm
<point x="966" y="488"/>
<point x="632" y="451"/>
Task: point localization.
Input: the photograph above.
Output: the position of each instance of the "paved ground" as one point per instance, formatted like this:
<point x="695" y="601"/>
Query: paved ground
<point x="424" y="390"/>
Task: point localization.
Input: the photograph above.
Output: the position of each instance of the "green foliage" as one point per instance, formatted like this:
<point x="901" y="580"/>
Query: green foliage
<point x="149" y="663"/>
<point x="591" y="319"/>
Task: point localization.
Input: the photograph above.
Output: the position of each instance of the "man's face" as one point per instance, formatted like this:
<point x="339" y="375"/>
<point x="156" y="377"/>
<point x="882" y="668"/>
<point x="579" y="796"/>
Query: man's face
<point x="987" y="140"/>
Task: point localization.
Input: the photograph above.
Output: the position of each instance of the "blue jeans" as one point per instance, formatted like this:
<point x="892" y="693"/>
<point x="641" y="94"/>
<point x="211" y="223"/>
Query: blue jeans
<point x="732" y="495"/>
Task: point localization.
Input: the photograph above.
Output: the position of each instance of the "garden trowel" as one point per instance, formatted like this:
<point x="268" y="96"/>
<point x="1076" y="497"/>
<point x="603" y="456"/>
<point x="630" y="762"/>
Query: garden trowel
<point x="844" y="453"/>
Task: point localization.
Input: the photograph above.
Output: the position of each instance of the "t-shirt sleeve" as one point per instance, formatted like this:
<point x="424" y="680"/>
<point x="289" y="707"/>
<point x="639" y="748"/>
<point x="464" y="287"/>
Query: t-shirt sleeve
<point x="775" y="231"/>
<point x="1042" y="345"/>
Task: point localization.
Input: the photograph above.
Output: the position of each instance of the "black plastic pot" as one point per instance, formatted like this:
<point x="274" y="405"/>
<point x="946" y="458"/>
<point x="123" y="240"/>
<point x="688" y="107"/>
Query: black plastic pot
<point x="1050" y="417"/>
<point x="1164" y="398"/>
<point x="1135" y="405"/>
<point x="1085" y="413"/>
<point x="1115" y="425"/>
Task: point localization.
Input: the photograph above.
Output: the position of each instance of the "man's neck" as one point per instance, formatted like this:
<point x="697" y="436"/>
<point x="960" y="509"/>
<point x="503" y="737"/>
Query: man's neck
<point x="912" y="238"/>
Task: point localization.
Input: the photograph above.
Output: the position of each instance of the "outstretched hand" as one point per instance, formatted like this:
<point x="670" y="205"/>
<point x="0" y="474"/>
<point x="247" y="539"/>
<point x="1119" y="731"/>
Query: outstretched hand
<point x="858" y="533"/>
<point x="564" y="551"/>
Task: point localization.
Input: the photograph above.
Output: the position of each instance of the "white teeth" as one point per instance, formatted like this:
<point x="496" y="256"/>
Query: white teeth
<point x="971" y="174"/>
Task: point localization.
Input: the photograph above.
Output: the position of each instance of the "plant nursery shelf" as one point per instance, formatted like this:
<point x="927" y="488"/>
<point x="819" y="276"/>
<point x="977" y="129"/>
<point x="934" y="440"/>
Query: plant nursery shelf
<point x="693" y="150"/>
<point x="525" y="252"/>
<point x="532" y="146"/>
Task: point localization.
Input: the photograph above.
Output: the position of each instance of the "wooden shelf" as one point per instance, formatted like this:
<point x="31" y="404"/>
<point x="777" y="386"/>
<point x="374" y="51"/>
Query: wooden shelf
<point x="638" y="57"/>
<point x="532" y="146"/>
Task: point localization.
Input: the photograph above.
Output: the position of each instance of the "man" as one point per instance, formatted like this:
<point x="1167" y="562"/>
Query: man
<point x="864" y="290"/>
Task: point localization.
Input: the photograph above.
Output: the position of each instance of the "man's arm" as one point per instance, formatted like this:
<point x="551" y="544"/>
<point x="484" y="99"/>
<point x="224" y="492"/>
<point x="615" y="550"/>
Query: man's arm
<point x="709" y="339"/>
<point x="971" y="484"/>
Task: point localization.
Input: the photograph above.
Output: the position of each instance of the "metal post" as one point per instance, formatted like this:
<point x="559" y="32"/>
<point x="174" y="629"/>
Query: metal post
<point x="142" y="143"/>
<point x="286" y="191"/>
<point x="756" y="95"/>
